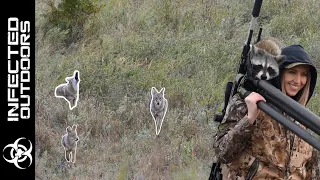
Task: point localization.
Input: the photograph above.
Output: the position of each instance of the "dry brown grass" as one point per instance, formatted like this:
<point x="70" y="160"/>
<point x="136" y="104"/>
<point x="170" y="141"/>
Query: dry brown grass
<point x="111" y="148"/>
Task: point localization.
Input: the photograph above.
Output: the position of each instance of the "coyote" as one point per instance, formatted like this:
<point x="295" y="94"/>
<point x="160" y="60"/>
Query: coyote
<point x="70" y="90"/>
<point x="158" y="107"/>
<point x="69" y="142"/>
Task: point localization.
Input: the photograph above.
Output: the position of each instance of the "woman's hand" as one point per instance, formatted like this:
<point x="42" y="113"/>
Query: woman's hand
<point x="251" y="101"/>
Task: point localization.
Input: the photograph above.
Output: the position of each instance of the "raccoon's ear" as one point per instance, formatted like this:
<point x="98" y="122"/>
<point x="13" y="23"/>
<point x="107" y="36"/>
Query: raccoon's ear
<point x="254" y="49"/>
<point x="280" y="58"/>
<point x="259" y="51"/>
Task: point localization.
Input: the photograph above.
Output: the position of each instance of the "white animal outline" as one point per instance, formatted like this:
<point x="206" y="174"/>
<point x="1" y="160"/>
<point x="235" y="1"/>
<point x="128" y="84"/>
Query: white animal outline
<point x="65" y="84"/>
<point x="164" y="114"/>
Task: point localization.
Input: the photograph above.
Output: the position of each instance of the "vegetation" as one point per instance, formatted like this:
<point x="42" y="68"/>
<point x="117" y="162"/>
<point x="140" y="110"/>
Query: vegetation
<point x="122" y="48"/>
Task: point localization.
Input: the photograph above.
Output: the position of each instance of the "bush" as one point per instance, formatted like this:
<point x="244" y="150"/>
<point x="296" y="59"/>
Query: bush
<point x="71" y="16"/>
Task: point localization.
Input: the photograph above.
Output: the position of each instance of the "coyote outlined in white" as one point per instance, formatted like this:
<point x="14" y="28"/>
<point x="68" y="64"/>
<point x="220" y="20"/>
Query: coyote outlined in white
<point x="69" y="91"/>
<point x="69" y="142"/>
<point x="158" y="107"/>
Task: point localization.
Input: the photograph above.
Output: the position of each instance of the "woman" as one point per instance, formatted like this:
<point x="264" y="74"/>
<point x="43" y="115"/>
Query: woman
<point x="251" y="145"/>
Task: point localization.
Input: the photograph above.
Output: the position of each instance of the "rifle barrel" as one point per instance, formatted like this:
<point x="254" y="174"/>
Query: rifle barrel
<point x="293" y="114"/>
<point x="296" y="129"/>
<point x="293" y="108"/>
<point x="256" y="8"/>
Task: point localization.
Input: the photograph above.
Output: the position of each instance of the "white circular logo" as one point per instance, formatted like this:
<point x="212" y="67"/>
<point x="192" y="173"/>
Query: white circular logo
<point x="19" y="153"/>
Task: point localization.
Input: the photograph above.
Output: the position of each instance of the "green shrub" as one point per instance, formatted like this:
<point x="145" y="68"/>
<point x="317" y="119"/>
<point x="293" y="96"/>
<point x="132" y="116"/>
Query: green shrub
<point x="71" y="16"/>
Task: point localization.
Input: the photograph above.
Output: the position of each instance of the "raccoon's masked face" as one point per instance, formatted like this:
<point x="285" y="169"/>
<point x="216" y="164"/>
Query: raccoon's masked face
<point x="264" y="65"/>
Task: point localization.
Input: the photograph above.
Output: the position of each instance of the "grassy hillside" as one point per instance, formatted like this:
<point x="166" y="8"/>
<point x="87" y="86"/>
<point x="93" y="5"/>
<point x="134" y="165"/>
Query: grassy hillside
<point x="190" y="47"/>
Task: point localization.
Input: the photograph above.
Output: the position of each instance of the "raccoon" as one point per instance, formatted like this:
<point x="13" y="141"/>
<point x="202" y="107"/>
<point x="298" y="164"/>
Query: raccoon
<point x="265" y="58"/>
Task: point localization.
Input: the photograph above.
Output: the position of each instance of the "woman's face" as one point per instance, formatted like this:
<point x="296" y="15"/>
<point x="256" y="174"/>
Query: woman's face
<point x="295" y="79"/>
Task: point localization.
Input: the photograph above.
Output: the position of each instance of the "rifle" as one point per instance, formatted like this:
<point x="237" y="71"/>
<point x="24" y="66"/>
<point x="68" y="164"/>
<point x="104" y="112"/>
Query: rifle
<point x="232" y="87"/>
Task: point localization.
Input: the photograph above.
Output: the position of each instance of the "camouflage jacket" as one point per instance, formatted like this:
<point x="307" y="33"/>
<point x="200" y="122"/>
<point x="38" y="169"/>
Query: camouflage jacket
<point x="279" y="153"/>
